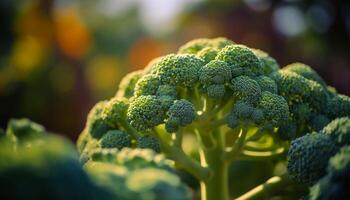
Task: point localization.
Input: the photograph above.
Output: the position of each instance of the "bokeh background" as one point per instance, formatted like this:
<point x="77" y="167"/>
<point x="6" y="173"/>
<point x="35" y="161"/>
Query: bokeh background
<point x="59" y="57"/>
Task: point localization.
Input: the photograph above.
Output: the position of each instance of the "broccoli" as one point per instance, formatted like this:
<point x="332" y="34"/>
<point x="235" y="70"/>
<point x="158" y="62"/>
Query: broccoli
<point x="41" y="166"/>
<point x="148" y="142"/>
<point x="115" y="139"/>
<point x="236" y="102"/>
<point x="308" y="157"/>
<point x="339" y="131"/>
<point x="335" y="185"/>
<point x="136" y="174"/>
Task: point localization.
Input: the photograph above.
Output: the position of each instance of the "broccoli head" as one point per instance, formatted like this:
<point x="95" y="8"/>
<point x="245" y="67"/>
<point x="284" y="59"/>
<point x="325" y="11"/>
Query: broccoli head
<point x="308" y="157"/>
<point x="235" y="101"/>
<point x="335" y="185"/>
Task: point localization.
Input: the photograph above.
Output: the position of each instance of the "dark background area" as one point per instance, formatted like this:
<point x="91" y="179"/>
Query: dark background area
<point x="59" y="57"/>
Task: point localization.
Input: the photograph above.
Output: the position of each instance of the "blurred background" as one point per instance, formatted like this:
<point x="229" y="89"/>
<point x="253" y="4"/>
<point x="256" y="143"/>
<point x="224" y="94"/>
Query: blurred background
<point x="59" y="57"/>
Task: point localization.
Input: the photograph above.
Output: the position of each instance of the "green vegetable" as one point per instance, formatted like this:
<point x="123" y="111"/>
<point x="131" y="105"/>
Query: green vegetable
<point x="235" y="101"/>
<point x="41" y="166"/>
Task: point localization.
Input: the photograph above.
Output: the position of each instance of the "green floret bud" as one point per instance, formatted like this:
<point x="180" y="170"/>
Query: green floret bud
<point x="157" y="184"/>
<point x="215" y="72"/>
<point x="108" y="155"/>
<point x="145" y="112"/>
<point x="267" y="84"/>
<point x="207" y="54"/>
<point x="216" y="91"/>
<point x="115" y="139"/>
<point x="24" y="129"/>
<point x="142" y="158"/>
<point x="232" y="120"/>
<point x="241" y="60"/>
<point x="127" y="84"/>
<point x="339" y="131"/>
<point x="305" y="71"/>
<point x="178" y="70"/>
<point x="246" y="88"/>
<point x="96" y="125"/>
<point x="197" y="45"/>
<point x="194" y="46"/>
<point x="167" y="90"/>
<point x="268" y="64"/>
<point x="297" y="89"/>
<point x="48" y="168"/>
<point x="148" y="142"/>
<point x="242" y="110"/>
<point x="258" y="116"/>
<point x="338" y="106"/>
<point x="213" y="76"/>
<point x="114" y="111"/>
<point x="147" y="85"/>
<point x="308" y="157"/>
<point x="275" y="108"/>
<point x="181" y="113"/>
<point x="335" y="185"/>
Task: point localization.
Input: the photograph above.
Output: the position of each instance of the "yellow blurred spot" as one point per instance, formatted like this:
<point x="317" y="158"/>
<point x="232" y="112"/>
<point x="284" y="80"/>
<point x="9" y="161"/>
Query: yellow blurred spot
<point x="143" y="51"/>
<point x="102" y="74"/>
<point x="72" y="35"/>
<point x="27" y="55"/>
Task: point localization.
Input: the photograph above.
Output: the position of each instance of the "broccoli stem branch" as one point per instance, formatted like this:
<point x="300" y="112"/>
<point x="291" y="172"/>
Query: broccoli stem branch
<point x="129" y="129"/>
<point x="182" y="160"/>
<point x="267" y="189"/>
<point x="238" y="145"/>
<point x="216" y="186"/>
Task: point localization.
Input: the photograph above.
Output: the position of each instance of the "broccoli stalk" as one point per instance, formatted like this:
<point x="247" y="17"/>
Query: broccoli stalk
<point x="233" y="99"/>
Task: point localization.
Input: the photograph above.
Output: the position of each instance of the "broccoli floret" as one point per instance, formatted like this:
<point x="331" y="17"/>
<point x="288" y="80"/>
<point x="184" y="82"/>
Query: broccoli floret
<point x="157" y="184"/>
<point x="127" y="84"/>
<point x="305" y="71"/>
<point x="115" y="139"/>
<point x="267" y="84"/>
<point x="268" y="64"/>
<point x="339" y="131"/>
<point x="274" y="107"/>
<point x="297" y="89"/>
<point x="214" y="76"/>
<point x="208" y="54"/>
<point x="335" y="185"/>
<point x="149" y="183"/>
<point x="147" y="85"/>
<point x="114" y="111"/>
<point x="308" y="157"/>
<point x="241" y="60"/>
<point x="96" y="125"/>
<point x="24" y="129"/>
<point x="338" y="106"/>
<point x="197" y="45"/>
<point x="182" y="69"/>
<point x="146" y="112"/>
<point x="181" y="113"/>
<point x="148" y="142"/>
<point x="246" y="89"/>
<point x="45" y="167"/>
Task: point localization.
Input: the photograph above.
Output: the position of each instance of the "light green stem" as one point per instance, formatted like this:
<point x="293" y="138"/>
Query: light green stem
<point x="267" y="189"/>
<point x="216" y="186"/>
